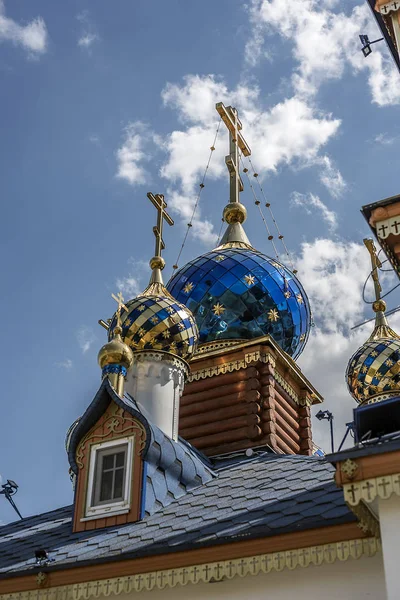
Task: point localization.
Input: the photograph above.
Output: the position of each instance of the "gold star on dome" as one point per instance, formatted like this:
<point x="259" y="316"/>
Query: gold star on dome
<point x="299" y="298"/>
<point x="273" y="315"/>
<point x="218" y="309"/>
<point x="181" y="326"/>
<point x="364" y="369"/>
<point x="287" y="294"/>
<point x="165" y="334"/>
<point x="141" y="308"/>
<point x="378" y="376"/>
<point x="374" y="354"/>
<point x="127" y="322"/>
<point x="302" y="337"/>
<point x="154" y="320"/>
<point x="150" y="343"/>
<point x="249" y="279"/>
<point x="170" y="310"/>
<point x="220" y="257"/>
<point x="188" y="287"/>
<point x="141" y="332"/>
<point x="389" y="362"/>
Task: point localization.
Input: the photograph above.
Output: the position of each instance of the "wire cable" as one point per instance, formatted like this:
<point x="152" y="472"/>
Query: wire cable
<point x="201" y="187"/>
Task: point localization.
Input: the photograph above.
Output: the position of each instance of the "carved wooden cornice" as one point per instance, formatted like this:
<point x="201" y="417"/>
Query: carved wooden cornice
<point x="369" y="489"/>
<point x="203" y="573"/>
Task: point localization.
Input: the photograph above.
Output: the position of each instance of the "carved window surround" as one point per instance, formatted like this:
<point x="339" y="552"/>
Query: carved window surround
<point x="112" y="508"/>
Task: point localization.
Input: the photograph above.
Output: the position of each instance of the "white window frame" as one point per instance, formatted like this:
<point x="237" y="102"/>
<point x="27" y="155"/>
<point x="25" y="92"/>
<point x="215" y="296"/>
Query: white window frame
<point x="119" y="507"/>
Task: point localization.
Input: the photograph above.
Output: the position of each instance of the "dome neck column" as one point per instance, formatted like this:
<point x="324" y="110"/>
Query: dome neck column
<point x="156" y="381"/>
<point x="116" y="375"/>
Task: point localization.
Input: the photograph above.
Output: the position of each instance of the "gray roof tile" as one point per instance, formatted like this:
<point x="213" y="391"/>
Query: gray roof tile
<point x="250" y="497"/>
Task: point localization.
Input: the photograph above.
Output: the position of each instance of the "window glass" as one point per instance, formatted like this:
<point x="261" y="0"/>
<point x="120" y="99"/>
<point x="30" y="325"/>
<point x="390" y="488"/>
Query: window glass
<point x="109" y="480"/>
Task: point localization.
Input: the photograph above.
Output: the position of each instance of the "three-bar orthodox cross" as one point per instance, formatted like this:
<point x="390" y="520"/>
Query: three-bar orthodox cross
<point x="376" y="264"/>
<point x="229" y="115"/>
<point x="160" y="204"/>
<point x="120" y="301"/>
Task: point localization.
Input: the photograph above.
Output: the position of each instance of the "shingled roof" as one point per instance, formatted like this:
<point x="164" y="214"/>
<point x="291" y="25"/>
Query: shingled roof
<point x="251" y="497"/>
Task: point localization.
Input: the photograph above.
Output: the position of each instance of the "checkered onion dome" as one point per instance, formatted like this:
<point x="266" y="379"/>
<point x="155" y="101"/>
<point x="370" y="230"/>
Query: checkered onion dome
<point x="158" y="322"/>
<point x="374" y="370"/>
<point x="239" y="293"/>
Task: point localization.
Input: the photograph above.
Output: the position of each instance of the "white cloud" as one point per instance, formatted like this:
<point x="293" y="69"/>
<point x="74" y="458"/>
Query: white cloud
<point x="326" y="44"/>
<point x="85" y="338"/>
<point x="333" y="275"/>
<point x="311" y="204"/>
<point x="385" y="139"/>
<point x="88" y="34"/>
<point x="87" y="39"/>
<point x="129" y="286"/>
<point x="66" y="364"/>
<point x="131" y="154"/>
<point x="289" y="132"/>
<point x="32" y="37"/>
<point x="332" y="178"/>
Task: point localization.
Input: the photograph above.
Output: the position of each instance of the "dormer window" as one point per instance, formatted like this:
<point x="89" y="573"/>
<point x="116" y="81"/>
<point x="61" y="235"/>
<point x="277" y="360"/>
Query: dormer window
<point x="110" y="476"/>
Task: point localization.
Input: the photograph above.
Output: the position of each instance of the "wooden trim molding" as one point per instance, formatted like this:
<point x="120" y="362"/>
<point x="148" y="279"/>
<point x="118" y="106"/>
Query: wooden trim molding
<point x="205" y="572"/>
<point x="367" y="467"/>
<point x="369" y="489"/>
<point x="72" y="573"/>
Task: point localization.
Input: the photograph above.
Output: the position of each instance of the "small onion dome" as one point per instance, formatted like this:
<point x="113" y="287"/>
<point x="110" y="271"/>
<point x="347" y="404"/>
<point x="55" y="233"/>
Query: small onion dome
<point x="236" y="292"/>
<point x="156" y="321"/>
<point x="373" y="372"/>
<point x="115" y="356"/>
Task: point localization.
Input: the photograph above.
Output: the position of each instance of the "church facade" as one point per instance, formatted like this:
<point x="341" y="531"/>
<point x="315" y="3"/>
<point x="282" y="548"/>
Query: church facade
<point x="194" y="469"/>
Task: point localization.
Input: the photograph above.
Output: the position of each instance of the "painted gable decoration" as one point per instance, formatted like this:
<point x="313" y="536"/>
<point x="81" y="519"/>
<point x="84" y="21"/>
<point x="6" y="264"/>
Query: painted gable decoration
<point x="125" y="468"/>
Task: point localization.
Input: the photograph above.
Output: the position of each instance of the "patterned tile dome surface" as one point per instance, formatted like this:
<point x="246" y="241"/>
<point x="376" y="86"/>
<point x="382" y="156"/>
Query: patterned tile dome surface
<point x="158" y="323"/>
<point x="374" y="369"/>
<point x="243" y="294"/>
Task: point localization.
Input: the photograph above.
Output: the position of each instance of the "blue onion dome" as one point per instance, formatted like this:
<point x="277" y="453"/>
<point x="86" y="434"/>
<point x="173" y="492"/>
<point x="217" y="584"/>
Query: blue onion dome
<point x="373" y="372"/>
<point x="236" y="292"/>
<point x="154" y="320"/>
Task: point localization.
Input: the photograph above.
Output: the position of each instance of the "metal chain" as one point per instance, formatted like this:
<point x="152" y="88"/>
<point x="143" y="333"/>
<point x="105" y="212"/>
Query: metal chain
<point x="201" y="187"/>
<point x="268" y="205"/>
<point x="258" y="204"/>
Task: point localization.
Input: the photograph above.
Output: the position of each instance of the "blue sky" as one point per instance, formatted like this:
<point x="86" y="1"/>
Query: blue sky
<point x="103" y="101"/>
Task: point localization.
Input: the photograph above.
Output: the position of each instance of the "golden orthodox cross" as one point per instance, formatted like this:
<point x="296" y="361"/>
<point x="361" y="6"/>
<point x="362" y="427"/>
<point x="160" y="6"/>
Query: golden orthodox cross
<point x="229" y="115"/>
<point x="376" y="263"/>
<point x="160" y="204"/>
<point x="120" y="300"/>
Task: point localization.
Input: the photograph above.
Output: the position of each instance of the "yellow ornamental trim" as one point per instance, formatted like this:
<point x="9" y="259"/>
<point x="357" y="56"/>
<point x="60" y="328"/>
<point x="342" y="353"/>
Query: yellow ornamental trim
<point x="369" y="489"/>
<point x="204" y="573"/>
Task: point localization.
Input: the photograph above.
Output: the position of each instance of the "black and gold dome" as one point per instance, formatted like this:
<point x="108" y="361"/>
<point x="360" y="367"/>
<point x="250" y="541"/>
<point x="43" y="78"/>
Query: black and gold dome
<point x="373" y="372"/>
<point x="154" y="320"/>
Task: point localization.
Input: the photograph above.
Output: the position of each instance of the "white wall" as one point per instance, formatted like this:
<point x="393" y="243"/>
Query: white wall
<point x="389" y="517"/>
<point x="360" y="579"/>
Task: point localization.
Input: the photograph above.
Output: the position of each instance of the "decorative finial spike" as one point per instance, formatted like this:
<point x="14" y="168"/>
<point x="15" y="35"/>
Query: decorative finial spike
<point x="157" y="263"/>
<point x="234" y="213"/>
<point x="381" y="329"/>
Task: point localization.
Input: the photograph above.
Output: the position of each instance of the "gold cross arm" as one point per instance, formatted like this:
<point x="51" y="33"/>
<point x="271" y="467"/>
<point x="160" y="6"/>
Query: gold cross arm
<point x="120" y="300"/>
<point x="158" y="201"/>
<point x="233" y="125"/>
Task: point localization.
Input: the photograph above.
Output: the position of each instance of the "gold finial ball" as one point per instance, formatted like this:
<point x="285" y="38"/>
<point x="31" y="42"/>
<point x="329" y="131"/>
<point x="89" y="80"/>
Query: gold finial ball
<point x="115" y="352"/>
<point x="379" y="306"/>
<point x="234" y="212"/>
<point x="157" y="262"/>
